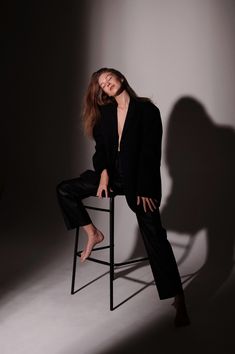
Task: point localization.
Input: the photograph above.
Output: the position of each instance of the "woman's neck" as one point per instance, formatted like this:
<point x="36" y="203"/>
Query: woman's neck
<point x="123" y="100"/>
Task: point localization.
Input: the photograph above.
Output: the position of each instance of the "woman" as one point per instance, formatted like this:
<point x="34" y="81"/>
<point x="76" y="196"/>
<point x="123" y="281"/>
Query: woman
<point x="127" y="131"/>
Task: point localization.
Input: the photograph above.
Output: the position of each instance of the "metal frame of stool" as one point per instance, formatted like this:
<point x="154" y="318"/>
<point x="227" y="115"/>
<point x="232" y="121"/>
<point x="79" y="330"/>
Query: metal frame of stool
<point x="111" y="262"/>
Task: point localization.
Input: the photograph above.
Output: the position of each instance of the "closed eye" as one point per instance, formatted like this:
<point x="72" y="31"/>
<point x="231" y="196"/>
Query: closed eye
<point x="107" y="79"/>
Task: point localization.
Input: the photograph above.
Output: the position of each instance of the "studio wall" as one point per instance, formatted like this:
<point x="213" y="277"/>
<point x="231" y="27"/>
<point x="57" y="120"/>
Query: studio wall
<point x="181" y="55"/>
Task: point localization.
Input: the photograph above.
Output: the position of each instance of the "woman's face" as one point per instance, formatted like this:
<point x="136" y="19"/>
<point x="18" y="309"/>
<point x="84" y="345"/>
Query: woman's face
<point x="109" y="83"/>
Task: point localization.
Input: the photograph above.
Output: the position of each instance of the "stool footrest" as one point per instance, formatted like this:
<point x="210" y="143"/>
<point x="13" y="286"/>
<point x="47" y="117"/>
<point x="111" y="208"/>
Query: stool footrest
<point x="97" y="260"/>
<point x="94" y="249"/>
<point x="119" y="264"/>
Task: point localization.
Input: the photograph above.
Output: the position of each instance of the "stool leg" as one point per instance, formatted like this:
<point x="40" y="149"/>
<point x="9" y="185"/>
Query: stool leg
<point x="111" y="253"/>
<point x="75" y="260"/>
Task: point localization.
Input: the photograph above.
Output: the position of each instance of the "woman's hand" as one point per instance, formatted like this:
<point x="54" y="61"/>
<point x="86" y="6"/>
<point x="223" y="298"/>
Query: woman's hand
<point x="147" y="203"/>
<point x="103" y="186"/>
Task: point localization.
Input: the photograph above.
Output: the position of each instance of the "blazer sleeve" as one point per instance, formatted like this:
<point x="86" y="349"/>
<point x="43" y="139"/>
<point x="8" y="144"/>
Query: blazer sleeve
<point x="149" y="179"/>
<point x="99" y="157"/>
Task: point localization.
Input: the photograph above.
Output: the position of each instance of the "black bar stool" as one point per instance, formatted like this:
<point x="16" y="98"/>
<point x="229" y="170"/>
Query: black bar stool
<point x="112" y="265"/>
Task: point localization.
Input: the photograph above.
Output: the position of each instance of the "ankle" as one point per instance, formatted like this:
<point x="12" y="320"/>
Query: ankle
<point x="179" y="300"/>
<point x="92" y="233"/>
<point x="90" y="230"/>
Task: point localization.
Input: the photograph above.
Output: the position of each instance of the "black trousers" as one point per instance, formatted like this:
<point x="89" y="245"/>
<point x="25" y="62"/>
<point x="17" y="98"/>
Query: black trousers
<point x="162" y="261"/>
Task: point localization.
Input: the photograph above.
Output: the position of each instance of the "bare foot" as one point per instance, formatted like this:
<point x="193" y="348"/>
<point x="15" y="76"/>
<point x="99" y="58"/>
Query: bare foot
<point x="181" y="317"/>
<point x="93" y="239"/>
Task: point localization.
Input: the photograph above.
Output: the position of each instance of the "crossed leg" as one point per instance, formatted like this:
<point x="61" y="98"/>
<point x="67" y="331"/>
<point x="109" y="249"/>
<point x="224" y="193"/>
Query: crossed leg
<point x="70" y="195"/>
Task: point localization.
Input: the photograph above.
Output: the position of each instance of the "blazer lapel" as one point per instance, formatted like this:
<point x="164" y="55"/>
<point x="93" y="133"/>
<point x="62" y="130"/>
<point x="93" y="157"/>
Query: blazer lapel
<point x="111" y="123"/>
<point x="129" y="117"/>
<point x="112" y="120"/>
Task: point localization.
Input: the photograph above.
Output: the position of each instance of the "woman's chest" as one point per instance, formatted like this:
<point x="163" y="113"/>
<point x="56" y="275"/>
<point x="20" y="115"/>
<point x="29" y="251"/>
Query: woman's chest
<point x="120" y="131"/>
<point x="121" y="119"/>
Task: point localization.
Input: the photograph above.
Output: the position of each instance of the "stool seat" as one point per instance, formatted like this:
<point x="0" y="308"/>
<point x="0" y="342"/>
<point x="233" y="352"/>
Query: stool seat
<point x="111" y="263"/>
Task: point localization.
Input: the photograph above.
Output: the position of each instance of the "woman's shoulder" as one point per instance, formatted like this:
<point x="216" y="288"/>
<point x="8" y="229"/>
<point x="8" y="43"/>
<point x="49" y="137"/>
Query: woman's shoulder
<point x="106" y="111"/>
<point x="107" y="107"/>
<point x="147" y="105"/>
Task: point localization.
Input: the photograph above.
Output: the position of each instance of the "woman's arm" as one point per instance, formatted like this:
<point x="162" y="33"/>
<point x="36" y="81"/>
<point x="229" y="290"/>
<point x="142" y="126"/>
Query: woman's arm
<point x="103" y="185"/>
<point x="99" y="162"/>
<point x="99" y="157"/>
<point x="149" y="182"/>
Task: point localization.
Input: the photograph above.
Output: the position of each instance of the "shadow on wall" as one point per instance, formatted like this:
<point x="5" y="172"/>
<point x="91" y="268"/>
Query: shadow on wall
<point x="200" y="159"/>
<point x="46" y="62"/>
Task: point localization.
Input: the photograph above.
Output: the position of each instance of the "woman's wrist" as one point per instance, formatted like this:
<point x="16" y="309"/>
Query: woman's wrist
<point x="104" y="177"/>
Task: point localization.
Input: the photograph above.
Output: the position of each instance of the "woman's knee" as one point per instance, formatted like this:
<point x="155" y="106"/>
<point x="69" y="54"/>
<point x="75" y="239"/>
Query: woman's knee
<point x="79" y="187"/>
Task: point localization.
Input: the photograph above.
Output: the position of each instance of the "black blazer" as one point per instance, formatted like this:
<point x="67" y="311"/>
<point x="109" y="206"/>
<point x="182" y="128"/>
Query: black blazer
<point x="140" y="148"/>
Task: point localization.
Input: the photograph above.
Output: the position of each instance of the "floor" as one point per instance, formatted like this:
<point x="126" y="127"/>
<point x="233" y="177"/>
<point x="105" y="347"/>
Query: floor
<point x="38" y="315"/>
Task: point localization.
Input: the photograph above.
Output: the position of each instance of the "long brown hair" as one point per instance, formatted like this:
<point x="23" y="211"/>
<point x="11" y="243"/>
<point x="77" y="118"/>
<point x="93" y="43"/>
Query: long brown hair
<point x="96" y="97"/>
